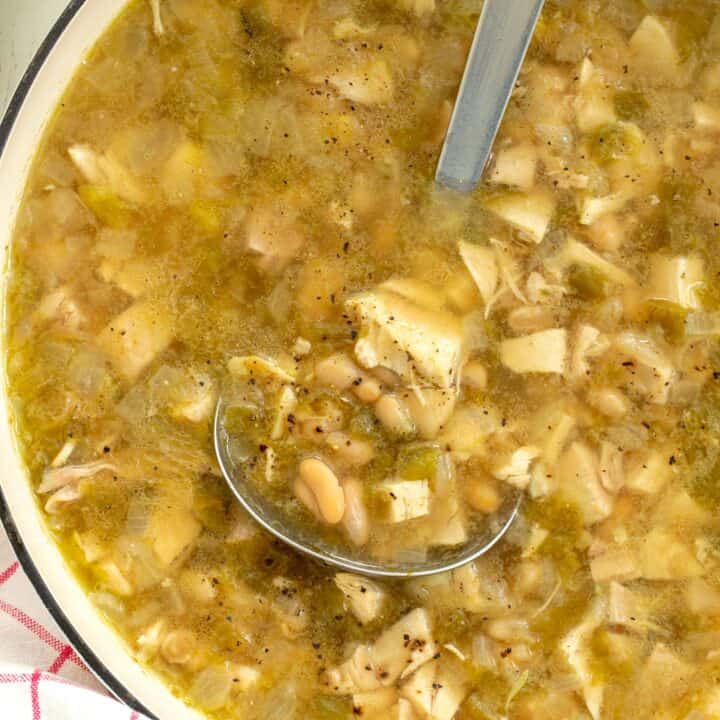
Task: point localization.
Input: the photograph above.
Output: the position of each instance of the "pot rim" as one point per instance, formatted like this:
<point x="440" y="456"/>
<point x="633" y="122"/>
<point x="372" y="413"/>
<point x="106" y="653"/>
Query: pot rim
<point x="93" y="662"/>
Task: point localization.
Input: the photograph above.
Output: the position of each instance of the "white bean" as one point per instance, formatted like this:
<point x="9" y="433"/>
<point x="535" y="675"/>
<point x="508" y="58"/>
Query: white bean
<point x="607" y="233"/>
<point x="386" y="376"/>
<point x="529" y="578"/>
<point x="325" y="416"/>
<point x="508" y="630"/>
<point x="349" y="450"/>
<point x="475" y="375"/>
<point x="609" y="401"/>
<point x="393" y="413"/>
<point x="178" y="647"/>
<point x="529" y="319"/>
<point x="338" y="371"/>
<point x="482" y="495"/>
<point x="306" y="497"/>
<point x="323" y="489"/>
<point x="367" y="389"/>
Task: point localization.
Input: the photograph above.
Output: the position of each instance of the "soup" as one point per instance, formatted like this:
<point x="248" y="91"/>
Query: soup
<point x="235" y="200"/>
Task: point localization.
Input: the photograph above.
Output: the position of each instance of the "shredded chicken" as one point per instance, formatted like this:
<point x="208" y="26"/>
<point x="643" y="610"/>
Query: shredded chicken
<point x="397" y="653"/>
<point x="103" y="169"/>
<point x="366" y="597"/>
<point x="58" y="477"/>
<point x="403" y="337"/>
<point x="436" y="690"/>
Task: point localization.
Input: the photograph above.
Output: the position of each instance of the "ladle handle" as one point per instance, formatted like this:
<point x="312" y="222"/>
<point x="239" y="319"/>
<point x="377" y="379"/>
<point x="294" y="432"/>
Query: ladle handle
<point x="501" y="40"/>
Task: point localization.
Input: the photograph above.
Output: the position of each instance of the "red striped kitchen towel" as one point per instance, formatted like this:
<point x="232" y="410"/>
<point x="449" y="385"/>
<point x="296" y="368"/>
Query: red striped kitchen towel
<point x="41" y="676"/>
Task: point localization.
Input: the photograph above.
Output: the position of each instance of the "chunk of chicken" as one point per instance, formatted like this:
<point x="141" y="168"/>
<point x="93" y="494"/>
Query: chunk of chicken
<point x="577" y="653"/>
<point x="171" y="530"/>
<point x="412" y="341"/>
<point x="475" y="587"/>
<point x="654" y="52"/>
<point x="663" y="678"/>
<point x="366" y="597"/>
<point x="628" y="608"/>
<point x="286" y="403"/>
<point x="61" y="306"/>
<point x="649" y="371"/>
<point x="196" y="405"/>
<point x="375" y="703"/>
<point x="594" y="106"/>
<point x="618" y="563"/>
<point x="262" y="369"/>
<point x="398" y="652"/>
<point x="482" y="266"/>
<point x="648" y="472"/>
<point x="514" y="467"/>
<point x="530" y="213"/>
<point x="588" y="343"/>
<point x="578" y="474"/>
<point x="273" y="237"/>
<point x="594" y="209"/>
<point x="436" y="690"/>
<point x="468" y="429"/>
<point x="677" y="511"/>
<point x="540" y="352"/>
<point x="663" y="556"/>
<point x="551" y="431"/>
<point x="676" y="280"/>
<point x="515" y="166"/>
<point x="403" y="500"/>
<point x="136" y="337"/>
<point x="104" y="170"/>
<point x="576" y="253"/>
<point x="370" y="82"/>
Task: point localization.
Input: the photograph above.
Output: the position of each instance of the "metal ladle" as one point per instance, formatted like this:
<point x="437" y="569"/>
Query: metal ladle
<point x="503" y="35"/>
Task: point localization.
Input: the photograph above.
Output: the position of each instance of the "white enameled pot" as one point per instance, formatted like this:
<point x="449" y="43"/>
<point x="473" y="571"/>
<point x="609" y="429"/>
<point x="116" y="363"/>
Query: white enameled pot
<point x="21" y="130"/>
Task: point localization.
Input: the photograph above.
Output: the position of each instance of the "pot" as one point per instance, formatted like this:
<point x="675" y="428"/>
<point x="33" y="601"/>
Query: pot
<point x="32" y="107"/>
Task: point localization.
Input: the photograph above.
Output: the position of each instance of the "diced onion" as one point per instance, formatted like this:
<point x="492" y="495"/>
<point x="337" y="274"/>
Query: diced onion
<point x="702" y="323"/>
<point x="138" y="516"/>
<point x="484" y="652"/>
<point x="516" y="688"/>
<point x="211" y="688"/>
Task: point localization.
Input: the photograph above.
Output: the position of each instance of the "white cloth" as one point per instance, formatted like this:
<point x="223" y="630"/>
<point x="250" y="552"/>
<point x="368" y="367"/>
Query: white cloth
<point x="41" y="676"/>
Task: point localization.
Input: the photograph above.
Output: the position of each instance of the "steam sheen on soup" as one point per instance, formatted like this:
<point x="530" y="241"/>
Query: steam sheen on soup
<point x="236" y="198"/>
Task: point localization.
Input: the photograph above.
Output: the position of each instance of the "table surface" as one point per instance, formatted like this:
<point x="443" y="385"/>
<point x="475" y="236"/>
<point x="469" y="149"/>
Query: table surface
<point x="23" y="25"/>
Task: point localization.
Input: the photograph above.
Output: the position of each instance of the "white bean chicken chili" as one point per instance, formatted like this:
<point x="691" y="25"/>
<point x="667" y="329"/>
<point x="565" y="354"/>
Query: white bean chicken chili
<point x="236" y="199"/>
